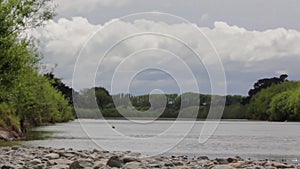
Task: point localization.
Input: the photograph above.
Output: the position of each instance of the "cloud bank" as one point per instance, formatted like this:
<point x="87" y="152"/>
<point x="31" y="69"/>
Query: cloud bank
<point x="246" y="55"/>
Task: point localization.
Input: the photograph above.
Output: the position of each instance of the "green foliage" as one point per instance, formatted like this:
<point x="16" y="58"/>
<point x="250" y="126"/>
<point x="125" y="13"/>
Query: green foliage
<point x="277" y="102"/>
<point x="235" y="111"/>
<point x="25" y="96"/>
<point x="279" y="107"/>
<point x="8" y="119"/>
<point x="263" y="84"/>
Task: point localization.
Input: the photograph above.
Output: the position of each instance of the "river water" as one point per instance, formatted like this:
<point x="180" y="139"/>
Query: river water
<point x="242" y="138"/>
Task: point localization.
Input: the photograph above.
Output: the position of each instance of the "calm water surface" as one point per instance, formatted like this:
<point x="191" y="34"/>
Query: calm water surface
<point x="246" y="139"/>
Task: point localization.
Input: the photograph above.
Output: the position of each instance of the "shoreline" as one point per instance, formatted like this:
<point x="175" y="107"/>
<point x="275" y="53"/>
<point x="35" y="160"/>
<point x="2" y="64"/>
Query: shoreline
<point x="42" y="157"/>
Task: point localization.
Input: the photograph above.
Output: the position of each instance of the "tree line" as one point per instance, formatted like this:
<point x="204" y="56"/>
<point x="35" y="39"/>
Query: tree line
<point x="272" y="99"/>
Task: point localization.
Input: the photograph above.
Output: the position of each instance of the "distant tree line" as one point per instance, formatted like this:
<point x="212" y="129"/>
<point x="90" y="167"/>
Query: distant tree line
<point x="273" y="99"/>
<point x="164" y="105"/>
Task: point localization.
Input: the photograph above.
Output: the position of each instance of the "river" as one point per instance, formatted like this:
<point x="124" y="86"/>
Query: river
<point x="242" y="138"/>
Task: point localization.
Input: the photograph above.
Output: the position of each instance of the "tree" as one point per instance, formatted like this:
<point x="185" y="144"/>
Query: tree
<point x="263" y="84"/>
<point x="25" y="95"/>
<point x="57" y="83"/>
<point x="269" y="101"/>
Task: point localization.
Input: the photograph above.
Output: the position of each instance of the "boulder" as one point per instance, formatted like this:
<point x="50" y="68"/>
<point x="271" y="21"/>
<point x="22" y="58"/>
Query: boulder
<point x="221" y="161"/>
<point x="232" y="160"/>
<point x="202" y="158"/>
<point x="239" y="164"/>
<point x="52" y="156"/>
<point x="115" y="161"/>
<point x="128" y="159"/>
<point x="281" y="165"/>
<point x="7" y="167"/>
<point x="35" y="162"/>
<point x="15" y="147"/>
<point x="82" y="164"/>
<point x="133" y="165"/>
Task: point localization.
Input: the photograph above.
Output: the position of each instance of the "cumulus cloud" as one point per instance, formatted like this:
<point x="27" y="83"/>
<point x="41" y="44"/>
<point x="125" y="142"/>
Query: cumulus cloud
<point x="246" y="55"/>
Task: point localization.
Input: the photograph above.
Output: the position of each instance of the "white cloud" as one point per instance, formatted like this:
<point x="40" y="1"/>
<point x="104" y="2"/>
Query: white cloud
<point x="243" y="52"/>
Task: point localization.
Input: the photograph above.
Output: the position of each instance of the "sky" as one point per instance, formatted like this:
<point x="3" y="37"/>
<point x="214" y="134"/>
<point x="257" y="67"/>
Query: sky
<point x="143" y="46"/>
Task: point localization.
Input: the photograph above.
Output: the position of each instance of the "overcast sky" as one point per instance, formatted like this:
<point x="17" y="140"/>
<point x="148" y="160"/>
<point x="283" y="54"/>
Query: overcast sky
<point x="247" y="40"/>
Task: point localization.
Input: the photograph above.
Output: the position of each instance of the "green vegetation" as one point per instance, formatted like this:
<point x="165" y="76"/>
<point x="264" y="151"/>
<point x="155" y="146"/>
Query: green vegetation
<point x="26" y="97"/>
<point x="273" y="99"/>
<point x="189" y="105"/>
<point x="277" y="103"/>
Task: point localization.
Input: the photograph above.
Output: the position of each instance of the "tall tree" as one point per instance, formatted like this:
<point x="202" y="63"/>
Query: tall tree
<point x="263" y="84"/>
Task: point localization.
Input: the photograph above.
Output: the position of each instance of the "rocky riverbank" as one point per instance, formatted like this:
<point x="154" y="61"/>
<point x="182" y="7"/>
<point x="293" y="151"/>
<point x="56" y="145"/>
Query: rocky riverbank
<point x="40" y="158"/>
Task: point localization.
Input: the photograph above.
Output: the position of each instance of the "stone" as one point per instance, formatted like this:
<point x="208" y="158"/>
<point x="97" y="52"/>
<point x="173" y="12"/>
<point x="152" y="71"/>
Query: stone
<point x="133" y="165"/>
<point x="7" y="167"/>
<point x="202" y="158"/>
<point x="222" y="167"/>
<point x="281" y="165"/>
<point x="61" y="161"/>
<point x="81" y="164"/>
<point x="39" y="166"/>
<point x="221" y="161"/>
<point x="177" y="163"/>
<point x="35" y="162"/>
<point x="232" y="160"/>
<point x="169" y="164"/>
<point x="154" y="165"/>
<point x="239" y="164"/>
<point x="63" y="166"/>
<point x="115" y="161"/>
<point x="99" y="165"/>
<point x="52" y="156"/>
<point x="15" y="147"/>
<point x="128" y="159"/>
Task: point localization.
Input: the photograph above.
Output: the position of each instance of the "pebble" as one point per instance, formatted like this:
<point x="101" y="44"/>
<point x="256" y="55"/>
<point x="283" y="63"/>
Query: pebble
<point x="17" y="157"/>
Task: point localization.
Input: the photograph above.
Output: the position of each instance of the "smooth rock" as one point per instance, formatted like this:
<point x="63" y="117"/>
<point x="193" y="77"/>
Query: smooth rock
<point x="39" y="166"/>
<point x="52" y="156"/>
<point x="35" y="162"/>
<point x="115" y="161"/>
<point x="100" y="164"/>
<point x="169" y="164"/>
<point x="63" y="166"/>
<point x="154" y="165"/>
<point x="177" y="163"/>
<point x="232" y="160"/>
<point x="61" y="161"/>
<point x="222" y="167"/>
<point x="15" y="147"/>
<point x="134" y="165"/>
<point x="7" y="167"/>
<point x="203" y="158"/>
<point x="281" y="165"/>
<point x="239" y="164"/>
<point x="128" y="159"/>
<point x="221" y="161"/>
<point x="81" y="164"/>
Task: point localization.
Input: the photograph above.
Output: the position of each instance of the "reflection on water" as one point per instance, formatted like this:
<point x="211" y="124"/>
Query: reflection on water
<point x="246" y="139"/>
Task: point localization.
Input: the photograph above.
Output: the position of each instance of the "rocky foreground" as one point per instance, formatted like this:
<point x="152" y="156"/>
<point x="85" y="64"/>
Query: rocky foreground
<point x="40" y="157"/>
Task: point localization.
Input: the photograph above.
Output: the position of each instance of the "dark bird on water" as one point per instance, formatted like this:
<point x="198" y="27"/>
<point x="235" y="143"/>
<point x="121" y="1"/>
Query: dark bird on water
<point x="113" y="127"/>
